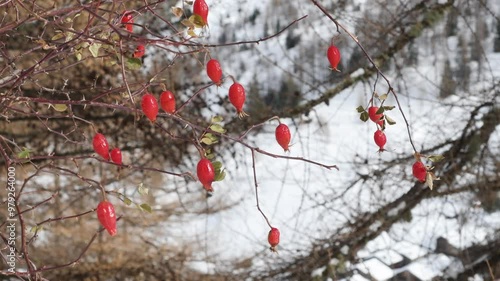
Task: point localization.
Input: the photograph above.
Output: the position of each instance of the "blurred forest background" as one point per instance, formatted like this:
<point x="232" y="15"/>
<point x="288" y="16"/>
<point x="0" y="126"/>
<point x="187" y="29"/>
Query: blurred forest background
<point x="67" y="72"/>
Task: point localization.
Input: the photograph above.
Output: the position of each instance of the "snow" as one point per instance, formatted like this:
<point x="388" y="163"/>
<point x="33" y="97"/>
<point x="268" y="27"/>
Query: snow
<point x="377" y="269"/>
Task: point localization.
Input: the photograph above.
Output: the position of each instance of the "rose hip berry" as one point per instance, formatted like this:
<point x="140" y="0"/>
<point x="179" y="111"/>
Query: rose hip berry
<point x="237" y="98"/>
<point x="101" y="146"/>
<point x="128" y="21"/>
<point x="283" y="136"/>
<point x="200" y="8"/>
<point x="333" y="55"/>
<point x="149" y="106"/>
<point x="273" y="238"/>
<point x="107" y="217"/>
<point x="206" y="173"/>
<point x="139" y="51"/>
<point x="116" y="156"/>
<point x="377" y="118"/>
<point x="419" y="171"/>
<point x="214" y="71"/>
<point x="380" y="139"/>
<point x="167" y="101"/>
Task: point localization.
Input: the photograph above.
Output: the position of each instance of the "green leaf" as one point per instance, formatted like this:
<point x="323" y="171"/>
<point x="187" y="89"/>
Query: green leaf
<point x="389" y="120"/>
<point x="380" y="110"/>
<point x="364" y="116"/>
<point x="127" y="201"/>
<point x="436" y="158"/>
<point x="210" y="156"/>
<point x="78" y="56"/>
<point x="36" y="228"/>
<point x="360" y="109"/>
<point x="25" y="153"/>
<point x="60" y="107"/>
<point x="217" y="119"/>
<point x="197" y="21"/>
<point x="383" y="97"/>
<point x="146" y="207"/>
<point x="58" y="36"/>
<point x="191" y="33"/>
<point x="389" y="107"/>
<point x="142" y="189"/>
<point x="134" y="63"/>
<point x="94" y="49"/>
<point x="187" y="23"/>
<point x="207" y="141"/>
<point x="217" y="128"/>
<point x="217" y="165"/>
<point x="220" y="176"/>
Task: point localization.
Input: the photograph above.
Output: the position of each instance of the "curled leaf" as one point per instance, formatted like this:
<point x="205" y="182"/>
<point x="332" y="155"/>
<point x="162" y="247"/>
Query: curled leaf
<point x="389" y="120"/>
<point x="217" y="119"/>
<point x="217" y="128"/>
<point x="146" y="207"/>
<point x="25" y="153"/>
<point x="177" y="11"/>
<point x="60" y="107"/>
<point x="143" y="190"/>
<point x="435" y="158"/>
<point x="364" y="116"/>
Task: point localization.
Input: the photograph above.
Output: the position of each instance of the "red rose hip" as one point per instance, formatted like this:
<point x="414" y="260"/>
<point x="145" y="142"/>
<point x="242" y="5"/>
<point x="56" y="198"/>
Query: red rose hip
<point x="139" y="51"/>
<point x="380" y="139"/>
<point x="377" y="118"/>
<point x="214" y="71"/>
<point x="167" y="101"/>
<point x="107" y="217"/>
<point x="206" y="173"/>
<point x="101" y="146"/>
<point x="283" y="136"/>
<point x="116" y="156"/>
<point x="200" y="8"/>
<point x="333" y="55"/>
<point x="128" y="21"/>
<point x="419" y="171"/>
<point x="149" y="106"/>
<point x="237" y="98"/>
<point x="273" y="238"/>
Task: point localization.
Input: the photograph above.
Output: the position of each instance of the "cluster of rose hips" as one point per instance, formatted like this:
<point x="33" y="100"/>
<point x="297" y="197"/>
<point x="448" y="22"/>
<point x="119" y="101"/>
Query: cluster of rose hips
<point x="333" y="55"/>
<point x="419" y="170"/>
<point x="105" y="210"/>
<point x="149" y="105"/>
<point x="127" y="21"/>
<point x="378" y="118"/>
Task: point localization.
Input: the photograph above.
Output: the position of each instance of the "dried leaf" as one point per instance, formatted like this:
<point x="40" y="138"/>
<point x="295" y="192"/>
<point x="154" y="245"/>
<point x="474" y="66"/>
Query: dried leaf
<point x="142" y="189"/>
<point x="177" y="11"/>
